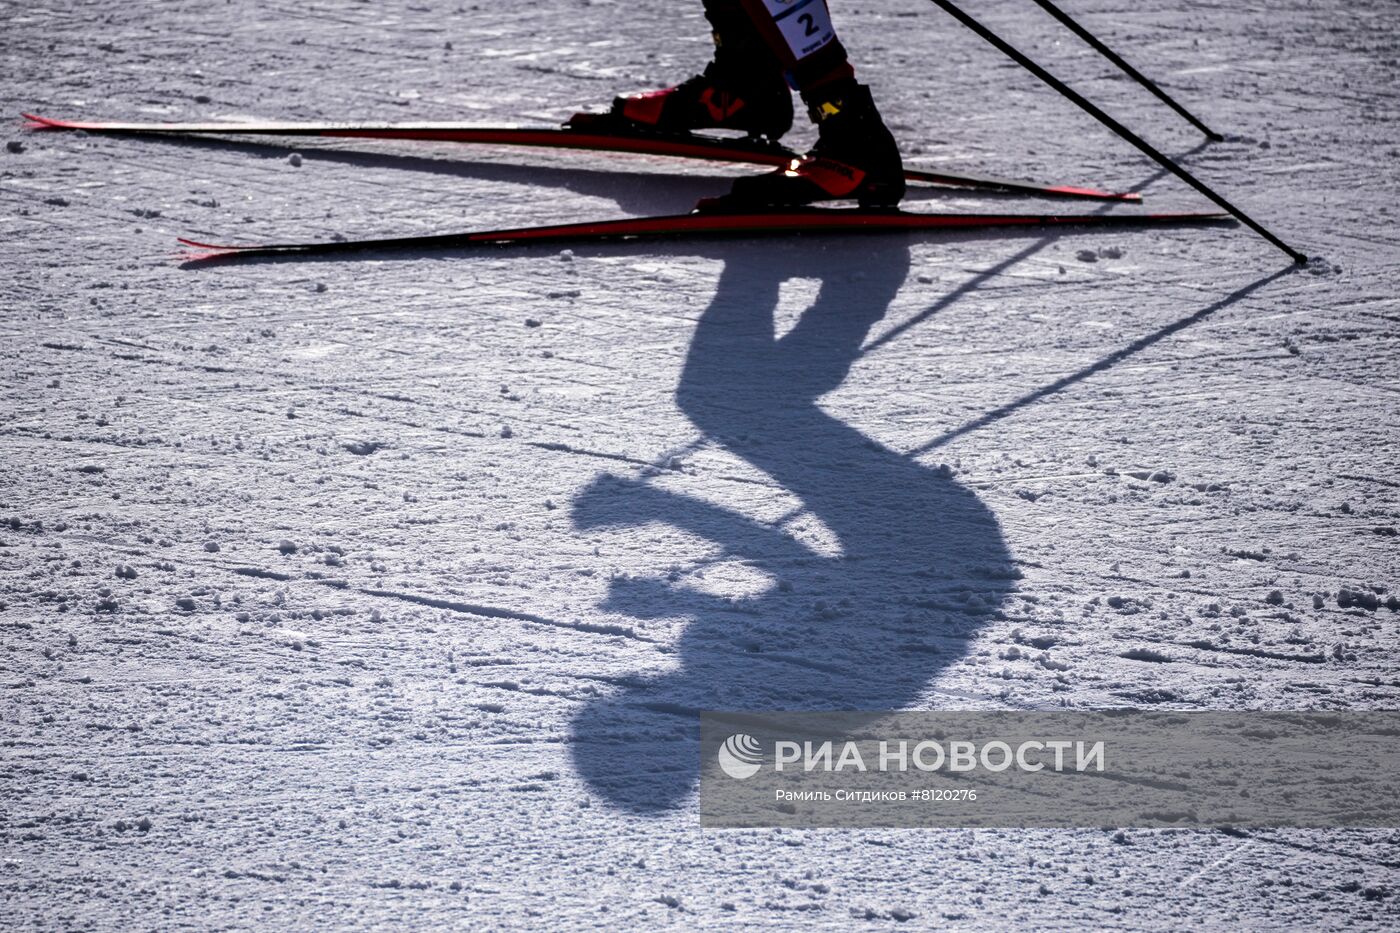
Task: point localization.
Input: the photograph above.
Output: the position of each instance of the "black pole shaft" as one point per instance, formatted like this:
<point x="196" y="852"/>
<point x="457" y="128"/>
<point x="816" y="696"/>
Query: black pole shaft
<point x="1128" y="69"/>
<point x="1145" y="147"/>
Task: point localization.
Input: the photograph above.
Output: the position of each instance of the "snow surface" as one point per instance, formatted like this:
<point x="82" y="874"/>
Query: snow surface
<point x="382" y="591"/>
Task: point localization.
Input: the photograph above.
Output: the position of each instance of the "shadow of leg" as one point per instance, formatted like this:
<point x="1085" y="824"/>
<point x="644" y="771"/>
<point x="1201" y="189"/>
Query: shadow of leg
<point x="858" y="629"/>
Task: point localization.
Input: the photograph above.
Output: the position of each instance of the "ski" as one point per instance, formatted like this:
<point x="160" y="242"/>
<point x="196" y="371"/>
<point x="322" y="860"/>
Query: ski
<point x="580" y="133"/>
<point x="777" y="221"/>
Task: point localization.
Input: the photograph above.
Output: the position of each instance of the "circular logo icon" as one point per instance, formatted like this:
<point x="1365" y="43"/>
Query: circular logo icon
<point x="741" y="756"/>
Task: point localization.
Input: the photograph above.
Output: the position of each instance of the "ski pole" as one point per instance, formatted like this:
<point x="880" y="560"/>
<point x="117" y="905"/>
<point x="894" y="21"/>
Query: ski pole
<point x="1129" y="70"/>
<point x="1145" y="147"/>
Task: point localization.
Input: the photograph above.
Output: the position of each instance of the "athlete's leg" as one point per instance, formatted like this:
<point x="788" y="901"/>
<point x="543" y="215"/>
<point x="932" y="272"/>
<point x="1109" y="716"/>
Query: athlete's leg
<point x="800" y="35"/>
<point x="855" y="155"/>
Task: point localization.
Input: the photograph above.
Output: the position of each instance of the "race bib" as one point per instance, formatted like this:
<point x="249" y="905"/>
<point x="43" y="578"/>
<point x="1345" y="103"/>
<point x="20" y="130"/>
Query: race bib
<point x="805" y="24"/>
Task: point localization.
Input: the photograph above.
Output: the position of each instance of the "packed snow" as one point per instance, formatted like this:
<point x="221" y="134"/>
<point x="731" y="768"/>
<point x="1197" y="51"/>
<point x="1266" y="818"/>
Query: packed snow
<point x="384" y="590"/>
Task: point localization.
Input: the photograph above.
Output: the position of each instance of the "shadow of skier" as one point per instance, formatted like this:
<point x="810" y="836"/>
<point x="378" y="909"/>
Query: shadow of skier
<point x="913" y="562"/>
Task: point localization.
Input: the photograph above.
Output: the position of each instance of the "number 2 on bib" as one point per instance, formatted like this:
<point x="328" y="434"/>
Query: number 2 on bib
<point x="805" y="24"/>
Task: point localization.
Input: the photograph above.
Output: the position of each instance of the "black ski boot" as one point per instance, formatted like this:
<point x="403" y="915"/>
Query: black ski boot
<point x="727" y="95"/>
<point x="855" y="157"/>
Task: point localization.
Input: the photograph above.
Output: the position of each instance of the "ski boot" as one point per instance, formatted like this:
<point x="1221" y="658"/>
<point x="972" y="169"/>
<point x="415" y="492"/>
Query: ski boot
<point x="724" y="96"/>
<point x="855" y="156"/>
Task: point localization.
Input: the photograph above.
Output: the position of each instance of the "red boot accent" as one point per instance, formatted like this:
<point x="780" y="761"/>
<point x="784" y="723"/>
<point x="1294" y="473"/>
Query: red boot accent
<point x="837" y="179"/>
<point x="721" y="105"/>
<point x="646" y="108"/>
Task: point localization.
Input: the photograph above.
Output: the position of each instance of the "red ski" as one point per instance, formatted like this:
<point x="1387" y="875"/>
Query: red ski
<point x="768" y="222"/>
<point x="580" y="133"/>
